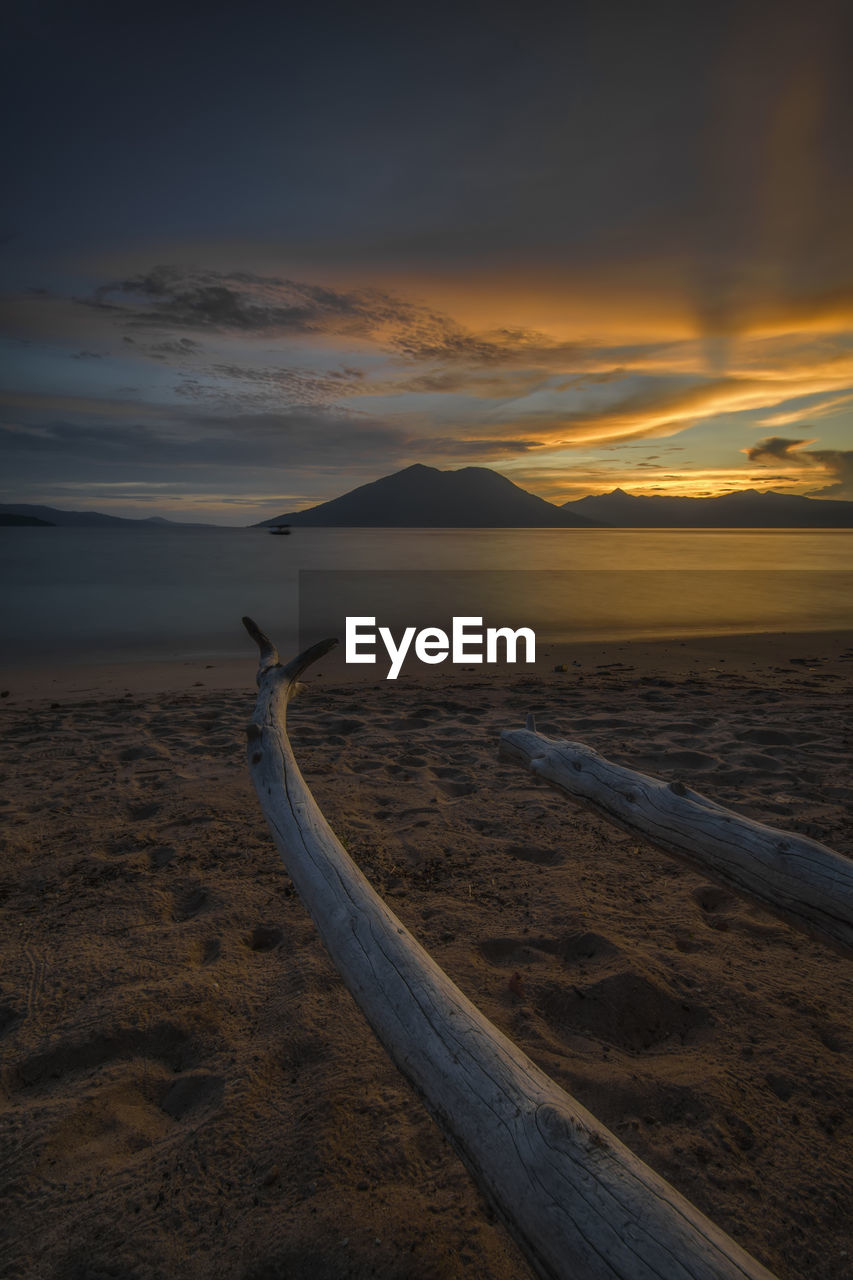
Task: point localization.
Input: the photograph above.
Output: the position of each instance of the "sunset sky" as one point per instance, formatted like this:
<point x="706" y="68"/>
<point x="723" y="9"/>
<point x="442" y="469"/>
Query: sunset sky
<point x="254" y="255"/>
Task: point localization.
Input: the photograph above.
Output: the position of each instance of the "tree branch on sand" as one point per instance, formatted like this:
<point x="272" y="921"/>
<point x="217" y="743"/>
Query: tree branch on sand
<point x="805" y="883"/>
<point x="576" y="1200"/>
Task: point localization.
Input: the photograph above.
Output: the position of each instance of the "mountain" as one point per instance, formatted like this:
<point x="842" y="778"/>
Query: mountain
<point x="425" y="498"/>
<point x="746" y="509"/>
<point x="85" y="519"/>
<point x="11" y="518"/>
<point x="66" y="519"/>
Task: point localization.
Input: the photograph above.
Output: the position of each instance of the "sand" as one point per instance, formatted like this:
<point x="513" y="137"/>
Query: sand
<point x="187" y="1087"/>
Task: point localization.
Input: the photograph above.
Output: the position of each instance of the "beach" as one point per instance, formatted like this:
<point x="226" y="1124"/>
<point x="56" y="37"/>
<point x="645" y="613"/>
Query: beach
<point x="188" y="1086"/>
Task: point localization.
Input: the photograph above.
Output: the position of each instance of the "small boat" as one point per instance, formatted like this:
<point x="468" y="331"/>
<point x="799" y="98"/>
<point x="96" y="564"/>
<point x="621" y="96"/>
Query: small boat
<point x="281" y="529"/>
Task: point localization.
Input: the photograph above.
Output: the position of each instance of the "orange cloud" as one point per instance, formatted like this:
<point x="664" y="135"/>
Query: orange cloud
<point x="816" y="410"/>
<point x="665" y="413"/>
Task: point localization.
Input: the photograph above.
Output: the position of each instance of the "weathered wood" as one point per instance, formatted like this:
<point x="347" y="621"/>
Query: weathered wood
<point x="577" y="1201"/>
<point x="804" y="882"/>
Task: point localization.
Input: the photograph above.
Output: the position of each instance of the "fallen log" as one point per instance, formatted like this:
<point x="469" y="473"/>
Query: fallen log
<point x="802" y="881"/>
<point x="576" y="1200"/>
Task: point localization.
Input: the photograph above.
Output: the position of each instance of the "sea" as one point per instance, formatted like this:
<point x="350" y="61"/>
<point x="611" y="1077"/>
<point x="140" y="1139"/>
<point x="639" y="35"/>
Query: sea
<point x="128" y="595"/>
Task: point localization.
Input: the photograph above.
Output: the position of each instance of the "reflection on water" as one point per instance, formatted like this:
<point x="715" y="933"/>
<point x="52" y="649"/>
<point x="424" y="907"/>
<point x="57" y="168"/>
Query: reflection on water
<point x="581" y="604"/>
<point x="107" y="595"/>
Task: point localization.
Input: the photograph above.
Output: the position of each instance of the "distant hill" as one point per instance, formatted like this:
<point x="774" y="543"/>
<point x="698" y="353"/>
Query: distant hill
<point x="11" y="518"/>
<point x="746" y="509"/>
<point x="26" y="512"/>
<point x="423" y="497"/>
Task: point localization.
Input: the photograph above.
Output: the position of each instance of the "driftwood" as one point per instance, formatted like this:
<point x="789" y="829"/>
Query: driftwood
<point x="576" y="1200"/>
<point x="807" y="884"/>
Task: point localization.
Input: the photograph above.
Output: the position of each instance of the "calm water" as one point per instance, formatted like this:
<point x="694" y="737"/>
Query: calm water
<point x="110" y="596"/>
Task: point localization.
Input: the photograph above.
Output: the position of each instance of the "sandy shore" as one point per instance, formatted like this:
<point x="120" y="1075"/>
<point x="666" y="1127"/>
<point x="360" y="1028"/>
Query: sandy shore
<point x="188" y="1088"/>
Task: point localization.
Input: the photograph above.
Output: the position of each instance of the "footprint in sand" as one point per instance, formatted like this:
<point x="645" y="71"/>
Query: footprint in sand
<point x="453" y="782"/>
<point x="768" y="737"/>
<point x="624" y="1009"/>
<point x="161" y="856"/>
<point x="711" y="897"/>
<point x="106" y="1123"/>
<point x="165" y="1042"/>
<point x="189" y="902"/>
<point x="345" y="727"/>
<point x="142" y="812"/>
<point x="455" y="790"/>
<point x="570" y="948"/>
<point x="191" y="1093"/>
<point x="265" y="937"/>
<point x="578" y="947"/>
<point x="759" y="761"/>
<point x="684" y="726"/>
<point x="512" y="953"/>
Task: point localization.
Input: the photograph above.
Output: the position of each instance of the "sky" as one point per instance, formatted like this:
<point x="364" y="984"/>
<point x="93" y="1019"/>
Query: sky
<point x="254" y="255"/>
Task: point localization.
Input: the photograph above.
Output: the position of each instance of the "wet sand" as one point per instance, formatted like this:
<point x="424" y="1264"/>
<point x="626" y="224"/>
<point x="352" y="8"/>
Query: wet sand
<point x="186" y="1083"/>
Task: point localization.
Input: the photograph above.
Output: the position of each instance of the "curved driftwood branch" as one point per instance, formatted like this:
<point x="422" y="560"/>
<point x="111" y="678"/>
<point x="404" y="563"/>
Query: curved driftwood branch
<point x="804" y="882"/>
<point x="577" y="1201"/>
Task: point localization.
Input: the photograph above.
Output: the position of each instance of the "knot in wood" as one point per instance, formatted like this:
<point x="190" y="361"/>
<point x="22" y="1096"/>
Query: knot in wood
<point x="555" y="1125"/>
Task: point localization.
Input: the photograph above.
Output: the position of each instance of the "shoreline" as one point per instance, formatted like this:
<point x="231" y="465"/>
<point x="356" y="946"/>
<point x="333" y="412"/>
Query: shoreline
<point x="745" y="653"/>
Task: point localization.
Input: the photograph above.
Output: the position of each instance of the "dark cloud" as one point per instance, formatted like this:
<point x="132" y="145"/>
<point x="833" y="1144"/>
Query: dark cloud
<point x="239" y="301"/>
<point x="230" y="386"/>
<point x="173" y="347"/>
<point x="168" y="297"/>
<point x="437" y="338"/>
<point x="302" y="384"/>
<point x="776" y="449"/>
<point x="839" y="464"/>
